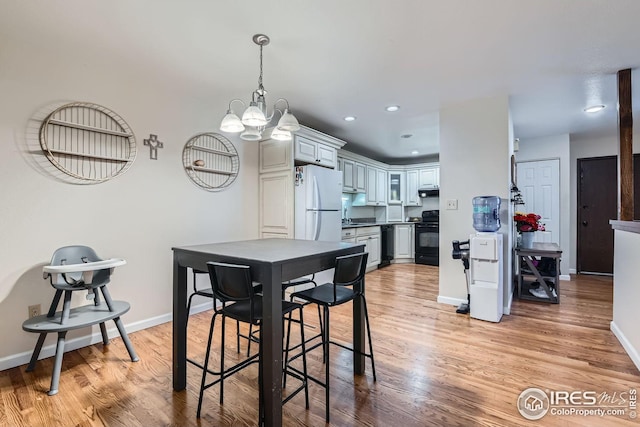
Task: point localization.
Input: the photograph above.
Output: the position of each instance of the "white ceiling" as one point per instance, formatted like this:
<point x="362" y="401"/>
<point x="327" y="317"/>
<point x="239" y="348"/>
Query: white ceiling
<point x="333" y="58"/>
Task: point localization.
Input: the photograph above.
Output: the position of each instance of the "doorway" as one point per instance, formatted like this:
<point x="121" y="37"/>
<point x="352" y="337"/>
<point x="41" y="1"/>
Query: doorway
<point x="597" y="204"/>
<point x="539" y="183"/>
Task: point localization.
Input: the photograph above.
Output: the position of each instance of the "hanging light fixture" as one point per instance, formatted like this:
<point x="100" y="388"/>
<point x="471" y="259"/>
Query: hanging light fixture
<point x="255" y="117"/>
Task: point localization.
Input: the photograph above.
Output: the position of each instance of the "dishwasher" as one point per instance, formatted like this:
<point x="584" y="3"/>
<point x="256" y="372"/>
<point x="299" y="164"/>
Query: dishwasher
<point x="386" y="244"/>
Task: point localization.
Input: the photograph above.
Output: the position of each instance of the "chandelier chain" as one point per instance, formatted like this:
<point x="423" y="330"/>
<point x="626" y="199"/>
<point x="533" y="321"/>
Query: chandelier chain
<point x="260" y="78"/>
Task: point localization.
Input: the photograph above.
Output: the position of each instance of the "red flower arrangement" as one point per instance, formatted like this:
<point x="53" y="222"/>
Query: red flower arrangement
<point x="528" y="222"/>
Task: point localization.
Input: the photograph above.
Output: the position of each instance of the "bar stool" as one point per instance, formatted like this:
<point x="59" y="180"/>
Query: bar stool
<point x="349" y="270"/>
<point x="233" y="287"/>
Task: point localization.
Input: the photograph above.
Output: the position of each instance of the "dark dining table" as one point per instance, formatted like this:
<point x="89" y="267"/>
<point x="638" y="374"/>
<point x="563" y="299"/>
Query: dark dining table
<point x="272" y="261"/>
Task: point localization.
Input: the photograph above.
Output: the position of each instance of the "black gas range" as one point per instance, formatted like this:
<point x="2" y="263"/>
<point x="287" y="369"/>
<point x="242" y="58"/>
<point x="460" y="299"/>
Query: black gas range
<point x="427" y="239"/>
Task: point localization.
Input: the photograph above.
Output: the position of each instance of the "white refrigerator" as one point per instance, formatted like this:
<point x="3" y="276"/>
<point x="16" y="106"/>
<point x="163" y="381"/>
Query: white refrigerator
<point x="318" y="203"/>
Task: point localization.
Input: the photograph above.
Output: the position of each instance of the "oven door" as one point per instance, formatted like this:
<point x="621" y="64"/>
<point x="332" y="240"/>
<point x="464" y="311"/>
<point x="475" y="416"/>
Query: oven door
<point x="427" y="244"/>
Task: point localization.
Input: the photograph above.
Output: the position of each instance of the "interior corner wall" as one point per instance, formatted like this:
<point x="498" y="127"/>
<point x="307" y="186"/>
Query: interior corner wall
<point x="547" y="148"/>
<point x="475" y="160"/>
<point x="138" y="216"/>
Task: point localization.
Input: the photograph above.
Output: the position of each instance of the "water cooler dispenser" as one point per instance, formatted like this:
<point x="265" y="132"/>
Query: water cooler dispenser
<point x="485" y="255"/>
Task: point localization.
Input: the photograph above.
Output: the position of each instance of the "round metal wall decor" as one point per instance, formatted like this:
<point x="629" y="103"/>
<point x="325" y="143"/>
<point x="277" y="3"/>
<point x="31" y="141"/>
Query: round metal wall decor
<point x="87" y="142"/>
<point x="210" y="161"/>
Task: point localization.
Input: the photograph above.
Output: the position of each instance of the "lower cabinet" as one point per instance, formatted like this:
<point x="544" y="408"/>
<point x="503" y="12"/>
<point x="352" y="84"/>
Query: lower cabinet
<point x="370" y="237"/>
<point x="404" y="246"/>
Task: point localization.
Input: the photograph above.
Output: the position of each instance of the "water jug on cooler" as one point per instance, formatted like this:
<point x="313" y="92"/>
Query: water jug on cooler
<point x="486" y="213"/>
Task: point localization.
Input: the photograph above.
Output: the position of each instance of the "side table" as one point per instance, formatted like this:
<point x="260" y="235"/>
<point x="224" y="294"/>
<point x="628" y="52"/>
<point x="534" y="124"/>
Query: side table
<point x="528" y="277"/>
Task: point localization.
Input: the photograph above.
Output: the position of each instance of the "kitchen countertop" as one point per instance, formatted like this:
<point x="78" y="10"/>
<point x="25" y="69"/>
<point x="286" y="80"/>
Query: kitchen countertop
<point x="374" y="224"/>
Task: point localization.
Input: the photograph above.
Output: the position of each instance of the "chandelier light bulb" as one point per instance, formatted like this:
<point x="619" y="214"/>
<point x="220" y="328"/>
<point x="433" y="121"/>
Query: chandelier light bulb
<point x="251" y="134"/>
<point x="231" y="123"/>
<point x="288" y="122"/>
<point x="280" y="134"/>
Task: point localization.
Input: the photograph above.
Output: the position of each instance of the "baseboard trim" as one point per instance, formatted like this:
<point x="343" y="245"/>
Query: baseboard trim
<point x="565" y="277"/>
<point x="628" y="347"/>
<point x="23" y="358"/>
<point x="573" y="271"/>
<point x="403" y="261"/>
<point x="507" y="308"/>
<point x="450" y="301"/>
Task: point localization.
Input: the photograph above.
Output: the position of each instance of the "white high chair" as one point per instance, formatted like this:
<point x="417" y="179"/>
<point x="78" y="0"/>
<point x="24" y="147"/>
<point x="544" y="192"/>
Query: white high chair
<point x="77" y="268"/>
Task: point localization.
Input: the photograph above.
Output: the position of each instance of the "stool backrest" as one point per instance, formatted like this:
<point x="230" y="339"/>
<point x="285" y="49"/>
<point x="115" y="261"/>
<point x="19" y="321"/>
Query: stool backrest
<point x="231" y="282"/>
<point x="350" y="269"/>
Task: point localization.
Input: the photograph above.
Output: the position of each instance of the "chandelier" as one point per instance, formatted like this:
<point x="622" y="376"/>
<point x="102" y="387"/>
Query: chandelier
<point x="255" y="117"/>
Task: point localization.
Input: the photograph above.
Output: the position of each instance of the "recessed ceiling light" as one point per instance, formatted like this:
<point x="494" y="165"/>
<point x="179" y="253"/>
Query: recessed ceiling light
<point x="594" y="109"/>
<point x="349" y="118"/>
<point x="392" y="108"/>
<point x="406" y="135"/>
<point x="414" y="152"/>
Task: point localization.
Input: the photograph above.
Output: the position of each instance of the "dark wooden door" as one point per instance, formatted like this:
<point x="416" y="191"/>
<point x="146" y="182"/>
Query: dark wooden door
<point x="597" y="204"/>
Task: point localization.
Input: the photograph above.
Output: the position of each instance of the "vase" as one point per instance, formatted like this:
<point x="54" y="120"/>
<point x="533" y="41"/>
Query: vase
<point x="526" y="240"/>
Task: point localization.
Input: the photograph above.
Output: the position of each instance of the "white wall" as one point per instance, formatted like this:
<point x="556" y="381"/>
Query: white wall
<point x="476" y="143"/>
<point x="555" y="147"/>
<point x="138" y="216"/>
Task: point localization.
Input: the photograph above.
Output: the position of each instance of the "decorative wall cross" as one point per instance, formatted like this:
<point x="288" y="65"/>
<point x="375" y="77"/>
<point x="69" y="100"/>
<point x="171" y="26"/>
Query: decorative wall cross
<point x="153" y="144"/>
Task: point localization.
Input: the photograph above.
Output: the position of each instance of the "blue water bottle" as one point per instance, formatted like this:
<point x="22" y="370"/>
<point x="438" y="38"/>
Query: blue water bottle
<point x="486" y="213"/>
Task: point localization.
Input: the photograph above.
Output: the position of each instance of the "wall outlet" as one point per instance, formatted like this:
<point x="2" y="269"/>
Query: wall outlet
<point x="452" y="204"/>
<point x="34" y="310"/>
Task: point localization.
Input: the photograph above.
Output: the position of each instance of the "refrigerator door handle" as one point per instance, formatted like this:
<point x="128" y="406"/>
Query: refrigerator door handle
<point x="316" y="226"/>
<point x="316" y="195"/>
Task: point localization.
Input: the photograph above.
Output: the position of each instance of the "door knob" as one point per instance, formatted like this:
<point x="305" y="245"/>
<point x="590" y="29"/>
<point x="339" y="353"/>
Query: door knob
<point x="585" y="223"/>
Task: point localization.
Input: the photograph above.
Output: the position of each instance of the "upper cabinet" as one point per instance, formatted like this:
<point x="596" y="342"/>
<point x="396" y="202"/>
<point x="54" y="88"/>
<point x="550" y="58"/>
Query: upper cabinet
<point x="413" y="180"/>
<point x="354" y="176"/>
<point x="430" y="177"/>
<point x="306" y="150"/>
<point x="376" y="187"/>
<point x="275" y="156"/>
<point x="396" y="187"/>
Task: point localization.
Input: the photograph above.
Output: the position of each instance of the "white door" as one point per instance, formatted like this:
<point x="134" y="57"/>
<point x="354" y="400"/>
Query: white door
<point x="539" y="183"/>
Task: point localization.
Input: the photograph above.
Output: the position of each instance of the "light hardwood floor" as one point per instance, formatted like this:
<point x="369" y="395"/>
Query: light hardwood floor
<point x="434" y="367"/>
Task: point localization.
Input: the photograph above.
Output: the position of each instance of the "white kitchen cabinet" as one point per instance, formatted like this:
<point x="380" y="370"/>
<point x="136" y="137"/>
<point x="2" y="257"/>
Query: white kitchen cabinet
<point x="404" y="238"/>
<point x="276" y="204"/>
<point x="370" y="237"/>
<point x="396" y="187"/>
<point x="412" y="198"/>
<point x="376" y="187"/>
<point x="307" y="150"/>
<point x="353" y="176"/>
<point x="275" y="156"/>
<point x="430" y="177"/>
<point x="348" y="233"/>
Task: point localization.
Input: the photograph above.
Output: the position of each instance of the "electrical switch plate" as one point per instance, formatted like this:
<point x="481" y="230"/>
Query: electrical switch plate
<point x="452" y="204"/>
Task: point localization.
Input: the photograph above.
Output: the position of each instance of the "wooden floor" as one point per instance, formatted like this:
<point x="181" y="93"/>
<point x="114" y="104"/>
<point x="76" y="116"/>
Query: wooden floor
<point x="434" y="367"/>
